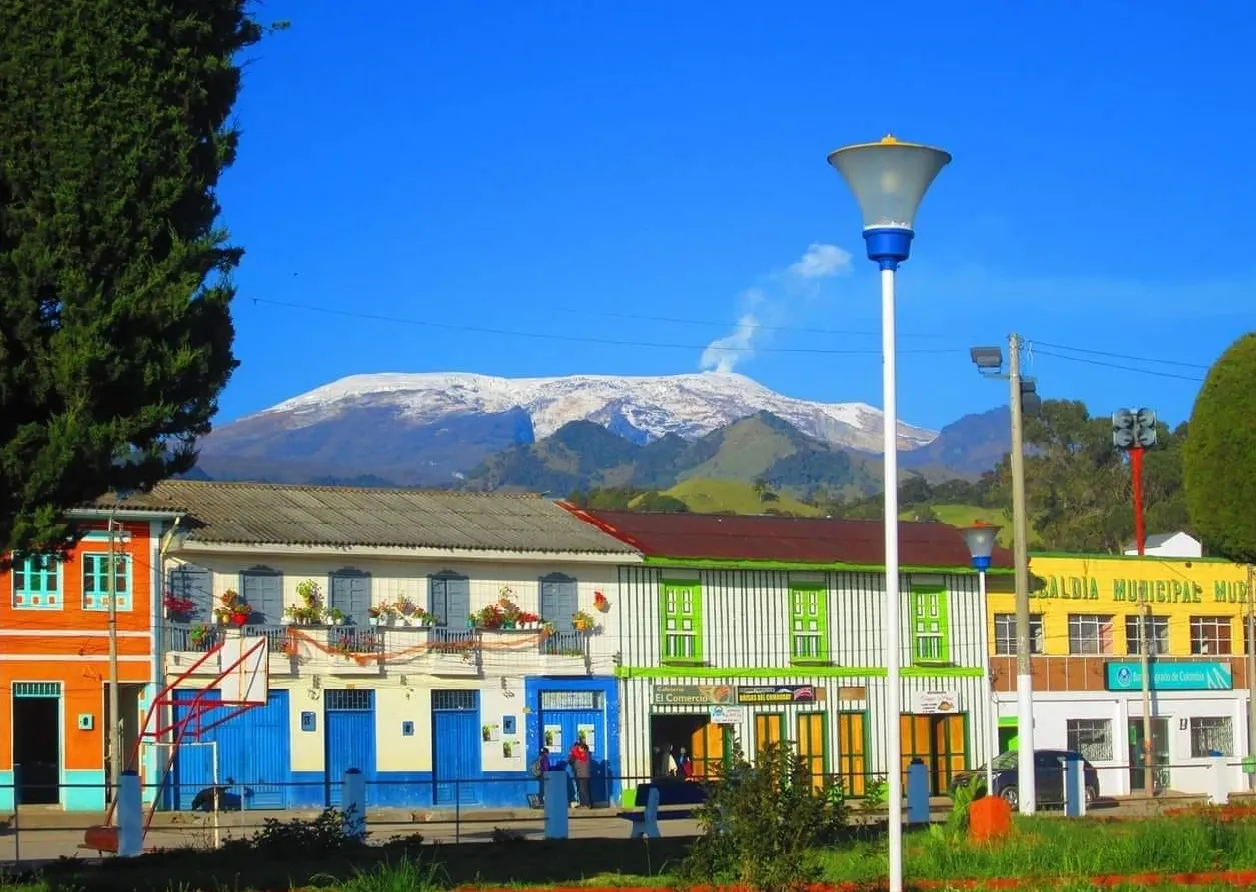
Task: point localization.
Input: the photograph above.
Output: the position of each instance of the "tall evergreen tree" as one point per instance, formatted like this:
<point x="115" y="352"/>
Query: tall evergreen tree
<point x="115" y="291"/>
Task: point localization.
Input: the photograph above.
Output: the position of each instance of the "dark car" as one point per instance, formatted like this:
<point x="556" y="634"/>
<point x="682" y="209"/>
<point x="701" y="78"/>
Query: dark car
<point x="1048" y="777"/>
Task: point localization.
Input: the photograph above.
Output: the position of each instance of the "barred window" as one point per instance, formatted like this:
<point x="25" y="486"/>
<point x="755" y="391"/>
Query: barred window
<point x="1210" y="635"/>
<point x="1211" y="734"/>
<point x="1005" y="634"/>
<point x="1090" y="737"/>
<point x="1157" y="629"/>
<point x="1089" y="633"/>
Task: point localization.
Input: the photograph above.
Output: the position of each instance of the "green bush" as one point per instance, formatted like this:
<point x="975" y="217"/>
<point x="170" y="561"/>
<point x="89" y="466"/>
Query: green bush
<point x="1219" y="456"/>
<point x="763" y="824"/>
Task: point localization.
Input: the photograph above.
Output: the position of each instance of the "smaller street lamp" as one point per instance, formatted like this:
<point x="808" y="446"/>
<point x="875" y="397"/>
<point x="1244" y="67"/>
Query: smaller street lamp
<point x="980" y="540"/>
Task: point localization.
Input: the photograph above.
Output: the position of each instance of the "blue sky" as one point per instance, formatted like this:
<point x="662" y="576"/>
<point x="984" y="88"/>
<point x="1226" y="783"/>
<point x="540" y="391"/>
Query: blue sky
<point x="563" y="187"/>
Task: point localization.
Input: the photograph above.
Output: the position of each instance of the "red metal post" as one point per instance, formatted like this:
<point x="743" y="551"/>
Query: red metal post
<point x="1136" y="472"/>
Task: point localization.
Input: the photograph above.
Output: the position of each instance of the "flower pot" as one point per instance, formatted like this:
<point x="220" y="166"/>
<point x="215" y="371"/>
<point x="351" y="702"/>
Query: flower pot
<point x="373" y="620"/>
<point x="285" y="620"/>
<point x="239" y="618"/>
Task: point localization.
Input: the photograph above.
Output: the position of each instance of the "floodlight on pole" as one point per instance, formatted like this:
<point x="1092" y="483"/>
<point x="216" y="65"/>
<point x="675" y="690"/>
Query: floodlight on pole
<point x="980" y="539"/>
<point x="889" y="178"/>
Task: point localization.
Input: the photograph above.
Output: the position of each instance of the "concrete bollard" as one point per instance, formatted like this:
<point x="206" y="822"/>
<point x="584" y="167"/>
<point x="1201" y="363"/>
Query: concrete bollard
<point x="556" y="817"/>
<point x="917" y="793"/>
<point x="1218" y="781"/>
<point x="1074" y="787"/>
<point x="130" y="819"/>
<point x="353" y="804"/>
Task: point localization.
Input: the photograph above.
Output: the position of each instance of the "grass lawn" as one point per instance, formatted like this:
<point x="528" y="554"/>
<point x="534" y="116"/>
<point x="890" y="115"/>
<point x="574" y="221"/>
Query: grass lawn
<point x="1042" y="849"/>
<point x="704" y="495"/>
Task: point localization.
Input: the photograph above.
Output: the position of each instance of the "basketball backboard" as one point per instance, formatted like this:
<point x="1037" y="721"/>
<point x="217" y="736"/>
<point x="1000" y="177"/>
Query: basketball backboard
<point x="245" y="664"/>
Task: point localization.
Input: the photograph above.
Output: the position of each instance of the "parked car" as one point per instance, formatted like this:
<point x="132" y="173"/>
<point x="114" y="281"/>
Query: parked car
<point x="1048" y="777"/>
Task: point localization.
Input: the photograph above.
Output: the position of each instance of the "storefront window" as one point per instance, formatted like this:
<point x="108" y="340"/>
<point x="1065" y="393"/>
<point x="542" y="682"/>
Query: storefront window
<point x="1212" y="734"/>
<point x="1090" y="737"/>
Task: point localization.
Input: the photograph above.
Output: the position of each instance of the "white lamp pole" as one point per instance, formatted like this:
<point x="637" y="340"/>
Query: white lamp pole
<point x="980" y="540"/>
<point x="889" y="178"/>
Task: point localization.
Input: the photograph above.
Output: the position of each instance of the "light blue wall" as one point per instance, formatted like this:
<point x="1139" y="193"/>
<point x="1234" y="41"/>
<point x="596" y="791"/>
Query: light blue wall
<point x="6" y="790"/>
<point x="82" y="790"/>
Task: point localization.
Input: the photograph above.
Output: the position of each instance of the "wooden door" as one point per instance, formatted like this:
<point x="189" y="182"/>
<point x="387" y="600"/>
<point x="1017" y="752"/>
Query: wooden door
<point x="949" y="756"/>
<point x="811" y="746"/>
<point x="706" y="746"/>
<point x="769" y="727"/>
<point x="851" y="760"/>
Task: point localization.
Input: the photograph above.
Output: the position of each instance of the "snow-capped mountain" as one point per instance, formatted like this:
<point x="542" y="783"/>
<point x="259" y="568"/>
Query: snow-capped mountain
<point x="639" y="408"/>
<point x="430" y="429"/>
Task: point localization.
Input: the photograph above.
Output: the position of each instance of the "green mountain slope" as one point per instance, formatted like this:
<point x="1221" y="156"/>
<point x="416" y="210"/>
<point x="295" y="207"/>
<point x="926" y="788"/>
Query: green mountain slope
<point x="703" y="495"/>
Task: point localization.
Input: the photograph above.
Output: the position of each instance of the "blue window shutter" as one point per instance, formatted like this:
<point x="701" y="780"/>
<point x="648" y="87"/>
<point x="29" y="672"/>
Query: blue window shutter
<point x="195" y="584"/>
<point x="437" y="604"/>
<point x="350" y="593"/>
<point x="262" y="589"/>
<point x="559" y="600"/>
<point x="458" y="600"/>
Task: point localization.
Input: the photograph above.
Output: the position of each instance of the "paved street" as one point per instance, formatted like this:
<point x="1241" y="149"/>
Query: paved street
<point x="46" y="834"/>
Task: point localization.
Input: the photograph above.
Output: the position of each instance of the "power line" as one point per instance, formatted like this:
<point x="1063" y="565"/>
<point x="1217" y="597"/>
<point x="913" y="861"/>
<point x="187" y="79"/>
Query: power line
<point x="1113" y="365"/>
<point x="449" y="326"/>
<point x="1185" y="365"/>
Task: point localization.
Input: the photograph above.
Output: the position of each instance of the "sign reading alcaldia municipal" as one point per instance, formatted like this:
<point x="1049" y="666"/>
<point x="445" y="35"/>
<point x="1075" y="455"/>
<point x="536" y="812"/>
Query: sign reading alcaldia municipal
<point x="1150" y="591"/>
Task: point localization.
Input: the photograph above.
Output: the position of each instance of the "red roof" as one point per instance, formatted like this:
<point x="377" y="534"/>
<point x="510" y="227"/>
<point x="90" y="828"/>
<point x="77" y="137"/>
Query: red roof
<point x="786" y="539"/>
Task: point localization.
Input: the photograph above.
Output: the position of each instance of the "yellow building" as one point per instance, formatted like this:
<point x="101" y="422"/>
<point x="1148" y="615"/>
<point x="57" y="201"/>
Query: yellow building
<point x="1087" y="669"/>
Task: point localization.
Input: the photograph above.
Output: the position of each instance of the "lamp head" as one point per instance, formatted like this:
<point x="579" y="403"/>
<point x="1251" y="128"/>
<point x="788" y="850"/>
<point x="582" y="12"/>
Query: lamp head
<point x="989" y="360"/>
<point x="889" y="178"/>
<point x="980" y="541"/>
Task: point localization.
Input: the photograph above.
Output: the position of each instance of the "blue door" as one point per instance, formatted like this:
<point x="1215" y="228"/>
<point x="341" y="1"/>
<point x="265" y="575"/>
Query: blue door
<point x="253" y="750"/>
<point x="349" y="733"/>
<point x="456" y="746"/>
<point x="571" y="722"/>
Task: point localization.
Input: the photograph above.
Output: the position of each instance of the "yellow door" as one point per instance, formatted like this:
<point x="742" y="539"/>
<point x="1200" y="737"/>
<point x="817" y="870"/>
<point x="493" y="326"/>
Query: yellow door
<point x="707" y="748"/>
<point x="949" y="757"/>
<point x="917" y="737"/>
<point x="769" y="727"/>
<point x="811" y="745"/>
<point x="850" y="753"/>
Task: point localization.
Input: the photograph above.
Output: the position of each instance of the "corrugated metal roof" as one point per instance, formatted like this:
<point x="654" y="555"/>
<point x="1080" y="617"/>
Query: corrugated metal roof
<point x="276" y="514"/>
<point x="788" y="539"/>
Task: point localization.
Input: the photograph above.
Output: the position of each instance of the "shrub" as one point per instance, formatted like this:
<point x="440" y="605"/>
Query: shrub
<point x="1219" y="456"/>
<point x="762" y="824"/>
<point x="298" y="838"/>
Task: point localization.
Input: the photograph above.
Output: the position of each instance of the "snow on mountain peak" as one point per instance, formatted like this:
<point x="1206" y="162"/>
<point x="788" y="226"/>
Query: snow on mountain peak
<point x="689" y="405"/>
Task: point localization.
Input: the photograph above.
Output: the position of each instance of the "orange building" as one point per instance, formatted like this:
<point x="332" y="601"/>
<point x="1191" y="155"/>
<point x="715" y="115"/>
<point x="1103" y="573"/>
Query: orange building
<point x="54" y="659"/>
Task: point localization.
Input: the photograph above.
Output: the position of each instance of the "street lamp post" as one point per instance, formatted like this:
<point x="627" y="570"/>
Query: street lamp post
<point x="889" y="178"/>
<point x="1023" y="400"/>
<point x="980" y="540"/>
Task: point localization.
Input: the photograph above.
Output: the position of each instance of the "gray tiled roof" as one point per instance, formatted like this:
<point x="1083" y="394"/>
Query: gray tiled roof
<point x="339" y="516"/>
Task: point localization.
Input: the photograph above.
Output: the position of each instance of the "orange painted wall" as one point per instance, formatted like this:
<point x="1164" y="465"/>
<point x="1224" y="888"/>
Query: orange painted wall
<point x="84" y="668"/>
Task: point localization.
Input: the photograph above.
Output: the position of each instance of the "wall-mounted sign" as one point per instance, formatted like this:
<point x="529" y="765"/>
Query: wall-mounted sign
<point x="779" y="694"/>
<point x="935" y="702"/>
<point x="1128" y="676"/>
<point x="728" y="715"/>
<point x="693" y="694"/>
<point x="852" y="693"/>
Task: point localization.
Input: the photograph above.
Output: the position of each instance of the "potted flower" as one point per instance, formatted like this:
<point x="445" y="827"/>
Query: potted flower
<point x="600" y="603"/>
<point x="528" y="620"/>
<point x="336" y="616"/>
<point x="198" y="636"/>
<point x="490" y="617"/>
<point x="231" y="609"/>
<point x="582" y="621"/>
<point x="422" y="618"/>
<point x="373" y="615"/>
<point x="405" y="610"/>
<point x="179" y="608"/>
<point x="303" y="614"/>
<point x="548" y="629"/>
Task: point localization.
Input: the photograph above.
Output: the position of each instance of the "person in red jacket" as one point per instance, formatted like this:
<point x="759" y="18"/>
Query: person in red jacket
<point x="579" y="759"/>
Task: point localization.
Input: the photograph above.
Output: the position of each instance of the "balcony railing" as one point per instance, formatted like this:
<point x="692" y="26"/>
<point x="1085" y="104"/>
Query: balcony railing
<point x="444" y="640"/>
<point x="567" y="643"/>
<point x="190" y="637"/>
<point x="356" y="640"/>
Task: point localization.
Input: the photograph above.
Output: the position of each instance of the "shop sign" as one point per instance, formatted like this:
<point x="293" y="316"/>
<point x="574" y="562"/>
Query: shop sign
<point x="1138" y="591"/>
<point x="693" y="694"/>
<point x="1128" y="676"/>
<point x="852" y="693"/>
<point x="935" y="702"/>
<point x="779" y="694"/>
<point x="728" y="715"/>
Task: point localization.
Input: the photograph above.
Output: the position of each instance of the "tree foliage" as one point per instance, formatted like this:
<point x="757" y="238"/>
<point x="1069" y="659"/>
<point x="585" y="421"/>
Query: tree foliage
<point x="115" y="326"/>
<point x="1219" y="461"/>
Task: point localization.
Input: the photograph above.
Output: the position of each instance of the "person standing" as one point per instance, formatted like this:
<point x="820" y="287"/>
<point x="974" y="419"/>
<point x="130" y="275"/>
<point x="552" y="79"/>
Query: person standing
<point x="581" y="767"/>
<point x="539" y="767"/>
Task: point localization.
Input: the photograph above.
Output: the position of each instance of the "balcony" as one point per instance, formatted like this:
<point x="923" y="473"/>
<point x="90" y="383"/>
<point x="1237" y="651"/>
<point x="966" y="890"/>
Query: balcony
<point x="452" y="651"/>
<point x="184" y="643"/>
<point x="565" y="652"/>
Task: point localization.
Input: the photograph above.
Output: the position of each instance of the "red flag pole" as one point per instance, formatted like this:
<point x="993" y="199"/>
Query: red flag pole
<point x="1136" y="472"/>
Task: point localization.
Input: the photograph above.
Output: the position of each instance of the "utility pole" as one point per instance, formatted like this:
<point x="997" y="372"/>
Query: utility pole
<point x="1251" y="672"/>
<point x="1135" y="433"/>
<point x="1026" y="781"/>
<point x="115" y="716"/>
